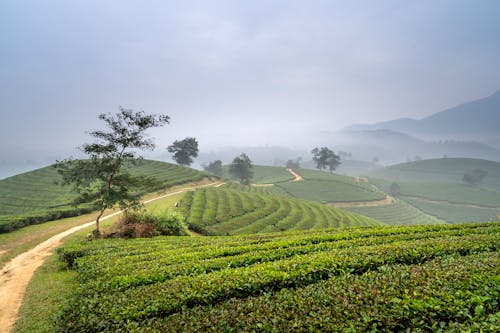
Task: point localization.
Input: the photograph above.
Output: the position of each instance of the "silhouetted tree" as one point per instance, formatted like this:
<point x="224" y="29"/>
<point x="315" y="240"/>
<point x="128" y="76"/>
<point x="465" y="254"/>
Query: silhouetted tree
<point x="293" y="164"/>
<point x="184" y="150"/>
<point x="325" y="158"/>
<point x="241" y="168"/>
<point x="474" y="177"/>
<point x="102" y="178"/>
<point x="395" y="189"/>
<point x="214" y="167"/>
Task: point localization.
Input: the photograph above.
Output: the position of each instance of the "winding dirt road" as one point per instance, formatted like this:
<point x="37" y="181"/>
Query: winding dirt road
<point x="298" y="177"/>
<point x="16" y="274"/>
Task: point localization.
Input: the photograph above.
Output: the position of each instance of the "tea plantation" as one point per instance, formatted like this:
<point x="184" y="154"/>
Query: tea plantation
<point x="425" y="278"/>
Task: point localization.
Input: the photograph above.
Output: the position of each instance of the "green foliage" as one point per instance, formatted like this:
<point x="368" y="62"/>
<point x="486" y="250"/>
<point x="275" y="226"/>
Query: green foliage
<point x="326" y="187"/>
<point x="397" y="213"/>
<point x="325" y="158"/>
<point x="214" y="167"/>
<point x="474" y="177"/>
<point x="35" y="197"/>
<point x="241" y="169"/>
<point x="184" y="150"/>
<point x="221" y="211"/>
<point x="390" y="279"/>
<point x="102" y="178"/>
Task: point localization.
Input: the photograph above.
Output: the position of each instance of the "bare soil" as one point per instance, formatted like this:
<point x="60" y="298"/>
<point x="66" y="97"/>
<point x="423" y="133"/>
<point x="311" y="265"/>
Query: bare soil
<point x="298" y="177"/>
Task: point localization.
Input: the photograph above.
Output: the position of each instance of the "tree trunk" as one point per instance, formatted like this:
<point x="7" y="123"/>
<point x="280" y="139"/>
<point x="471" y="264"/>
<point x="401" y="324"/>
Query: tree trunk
<point x="97" y="233"/>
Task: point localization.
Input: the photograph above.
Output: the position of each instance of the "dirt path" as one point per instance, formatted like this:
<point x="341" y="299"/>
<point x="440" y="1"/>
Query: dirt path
<point x="375" y="203"/>
<point x="16" y="274"/>
<point x="298" y="177"/>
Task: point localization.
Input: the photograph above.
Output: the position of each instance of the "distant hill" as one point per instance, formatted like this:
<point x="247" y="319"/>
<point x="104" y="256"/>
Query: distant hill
<point x="450" y="170"/>
<point x="476" y="120"/>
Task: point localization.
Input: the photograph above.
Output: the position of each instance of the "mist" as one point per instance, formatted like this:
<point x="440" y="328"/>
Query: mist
<point x="235" y="74"/>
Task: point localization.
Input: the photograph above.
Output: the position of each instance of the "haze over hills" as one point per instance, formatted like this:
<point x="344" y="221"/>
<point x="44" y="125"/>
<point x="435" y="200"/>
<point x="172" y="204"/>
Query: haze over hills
<point x="472" y="121"/>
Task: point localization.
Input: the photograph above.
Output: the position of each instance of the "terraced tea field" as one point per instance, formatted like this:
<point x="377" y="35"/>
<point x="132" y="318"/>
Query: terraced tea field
<point x="397" y="213"/>
<point x="263" y="174"/>
<point x="223" y="211"/>
<point x="325" y="187"/>
<point x="35" y="196"/>
<point x="424" y="278"/>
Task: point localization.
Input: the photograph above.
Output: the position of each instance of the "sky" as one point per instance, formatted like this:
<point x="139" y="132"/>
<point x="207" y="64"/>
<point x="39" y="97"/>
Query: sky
<point x="260" y="72"/>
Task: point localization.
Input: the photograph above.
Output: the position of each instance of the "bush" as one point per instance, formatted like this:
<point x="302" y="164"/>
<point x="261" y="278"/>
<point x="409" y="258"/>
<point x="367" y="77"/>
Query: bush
<point x="134" y="224"/>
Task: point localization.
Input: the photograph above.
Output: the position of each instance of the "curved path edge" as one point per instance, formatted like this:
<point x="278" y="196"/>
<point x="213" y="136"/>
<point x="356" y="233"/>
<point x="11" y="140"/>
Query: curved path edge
<point x="16" y="274"/>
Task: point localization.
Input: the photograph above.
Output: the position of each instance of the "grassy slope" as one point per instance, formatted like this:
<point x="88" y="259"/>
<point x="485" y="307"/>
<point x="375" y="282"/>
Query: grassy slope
<point x="264" y="174"/>
<point x="441" y="170"/>
<point x="36" y="193"/>
<point x="398" y="213"/>
<point x="357" y="279"/>
<point x="221" y="211"/>
<point x="325" y="187"/>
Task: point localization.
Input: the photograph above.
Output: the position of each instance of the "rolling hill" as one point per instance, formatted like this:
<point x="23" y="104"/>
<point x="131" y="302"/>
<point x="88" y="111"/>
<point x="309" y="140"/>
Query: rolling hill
<point x="35" y="196"/>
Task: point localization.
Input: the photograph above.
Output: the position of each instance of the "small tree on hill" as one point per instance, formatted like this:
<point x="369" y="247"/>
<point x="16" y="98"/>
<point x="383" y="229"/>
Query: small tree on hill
<point x="395" y="189"/>
<point x="474" y="177"/>
<point x="293" y="164"/>
<point x="184" y="150"/>
<point x="241" y="168"/>
<point x="102" y="178"/>
<point x="214" y="167"/>
<point x="325" y="158"/>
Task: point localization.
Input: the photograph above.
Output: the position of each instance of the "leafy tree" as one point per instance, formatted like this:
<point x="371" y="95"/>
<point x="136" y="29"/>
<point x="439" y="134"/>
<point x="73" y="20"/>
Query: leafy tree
<point x="183" y="150"/>
<point x="102" y="178"/>
<point x="214" y="167"/>
<point x="395" y="189"/>
<point x="241" y="168"/>
<point x="293" y="164"/>
<point x="325" y="158"/>
<point x="474" y="177"/>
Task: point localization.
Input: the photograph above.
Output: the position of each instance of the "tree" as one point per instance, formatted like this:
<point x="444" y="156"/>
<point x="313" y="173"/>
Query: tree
<point x="102" y="178"/>
<point x="241" y="168"/>
<point x="183" y="150"/>
<point x="214" y="167"/>
<point x="293" y="164"/>
<point x="474" y="177"/>
<point x="395" y="189"/>
<point x="325" y="158"/>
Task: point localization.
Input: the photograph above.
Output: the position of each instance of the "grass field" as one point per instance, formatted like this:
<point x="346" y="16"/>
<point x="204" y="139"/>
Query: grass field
<point x="265" y="174"/>
<point x="424" y="278"/>
<point x="450" y="170"/>
<point x="326" y="187"/>
<point x="222" y="211"/>
<point x="34" y="197"/>
<point x="398" y="213"/>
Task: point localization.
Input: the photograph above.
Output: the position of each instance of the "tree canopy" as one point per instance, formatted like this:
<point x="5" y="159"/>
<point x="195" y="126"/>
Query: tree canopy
<point x="214" y="167"/>
<point x="184" y="151"/>
<point x="102" y="178"/>
<point x="474" y="177"/>
<point x="325" y="158"/>
<point x="241" y="168"/>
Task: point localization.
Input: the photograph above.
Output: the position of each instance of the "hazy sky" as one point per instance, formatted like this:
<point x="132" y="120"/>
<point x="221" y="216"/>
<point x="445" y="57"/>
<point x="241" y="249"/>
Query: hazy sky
<point x="231" y="72"/>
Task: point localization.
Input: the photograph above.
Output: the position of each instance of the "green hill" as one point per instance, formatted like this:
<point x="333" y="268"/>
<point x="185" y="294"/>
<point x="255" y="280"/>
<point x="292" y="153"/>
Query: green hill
<point x="424" y="278"/>
<point x="397" y="213"/>
<point x="327" y="187"/>
<point x="264" y="174"/>
<point x="442" y="170"/>
<point x="222" y="211"/>
<point x="35" y="196"/>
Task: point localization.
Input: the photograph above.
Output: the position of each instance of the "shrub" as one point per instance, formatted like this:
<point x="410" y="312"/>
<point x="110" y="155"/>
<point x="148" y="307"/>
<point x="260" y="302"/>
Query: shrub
<point x="170" y="223"/>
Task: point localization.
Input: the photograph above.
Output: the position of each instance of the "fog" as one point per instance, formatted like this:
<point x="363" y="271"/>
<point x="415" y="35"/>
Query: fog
<point x="234" y="73"/>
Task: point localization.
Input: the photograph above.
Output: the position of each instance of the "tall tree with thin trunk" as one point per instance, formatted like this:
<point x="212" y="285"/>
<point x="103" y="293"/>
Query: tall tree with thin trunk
<point x="102" y="178"/>
<point x="184" y="150"/>
<point x="241" y="168"/>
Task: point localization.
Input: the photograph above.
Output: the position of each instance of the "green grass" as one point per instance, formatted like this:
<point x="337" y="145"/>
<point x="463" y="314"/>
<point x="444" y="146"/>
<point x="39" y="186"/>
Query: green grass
<point x="398" y="213"/>
<point x="221" y="211"/>
<point x="446" y="192"/>
<point x="449" y="170"/>
<point x="265" y="174"/>
<point x="34" y="197"/>
<point x="393" y="278"/>
<point x="455" y="213"/>
<point x="326" y="187"/>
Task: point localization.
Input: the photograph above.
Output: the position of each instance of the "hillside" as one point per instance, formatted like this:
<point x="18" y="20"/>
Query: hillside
<point x="35" y="196"/>
<point x="327" y="187"/>
<point x="450" y="170"/>
<point x="475" y="120"/>
<point x="398" y="278"/>
<point x="263" y="174"/>
<point x="223" y="211"/>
